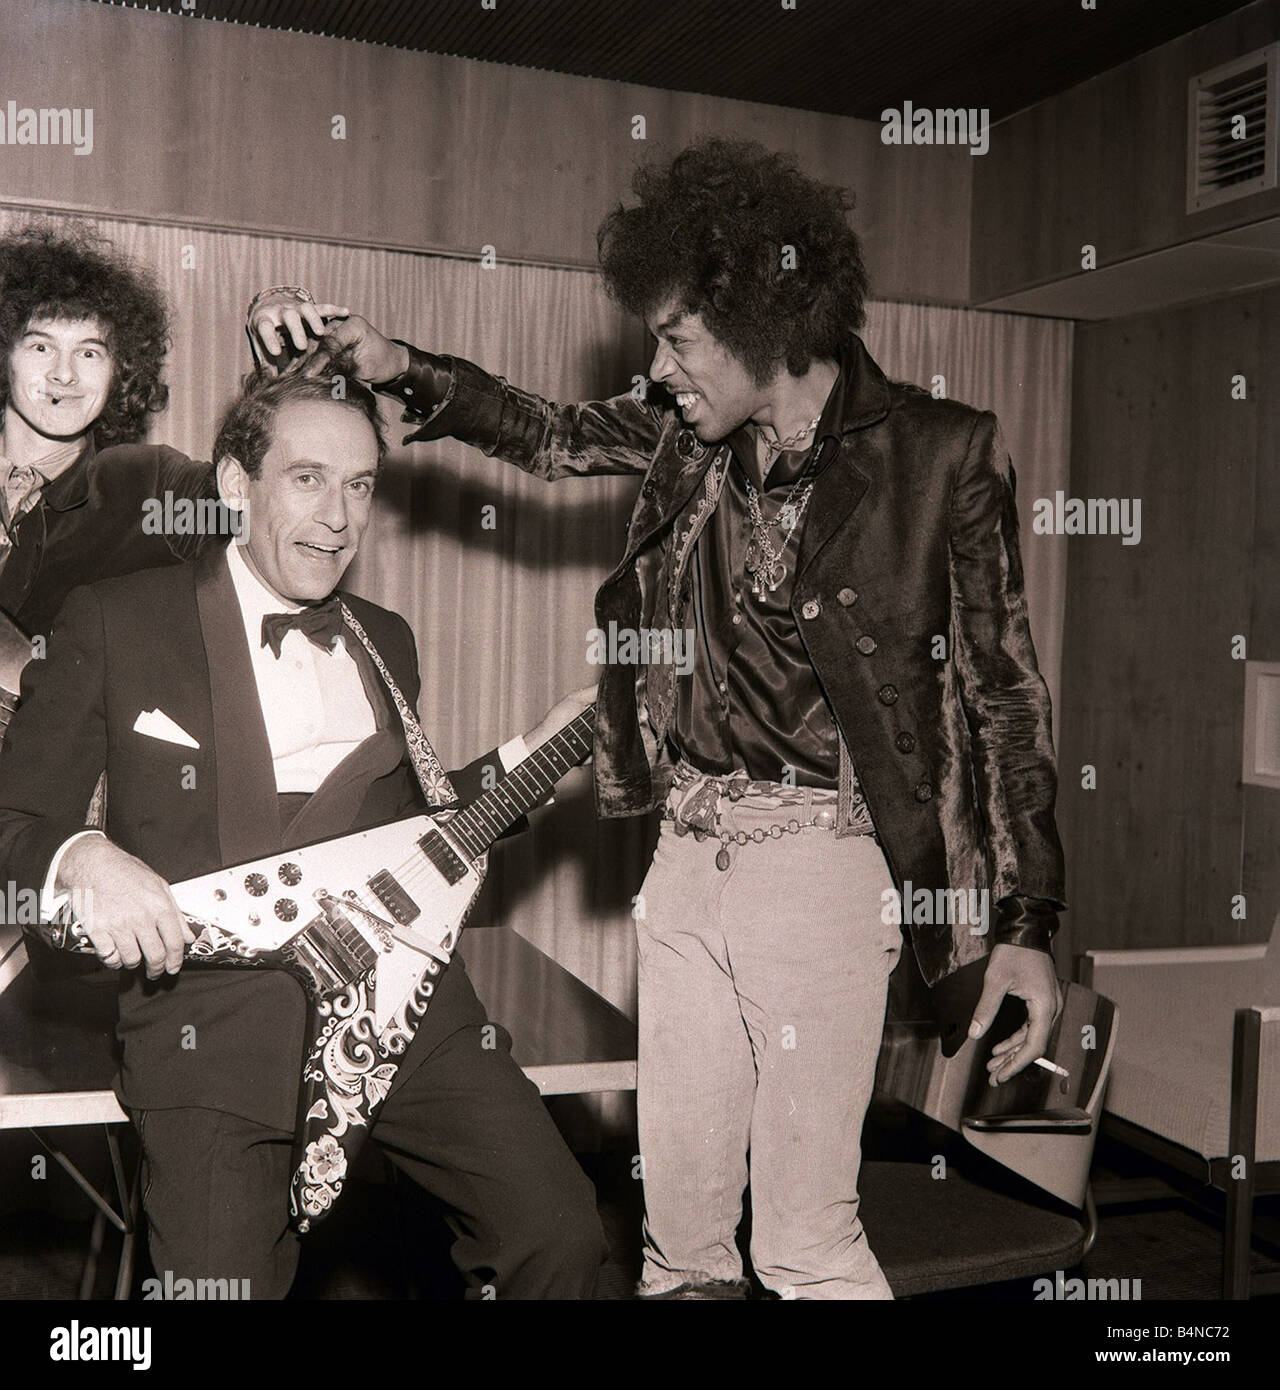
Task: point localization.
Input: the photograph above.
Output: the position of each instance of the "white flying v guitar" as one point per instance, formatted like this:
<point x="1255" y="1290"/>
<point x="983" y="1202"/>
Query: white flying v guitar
<point x="366" y="922"/>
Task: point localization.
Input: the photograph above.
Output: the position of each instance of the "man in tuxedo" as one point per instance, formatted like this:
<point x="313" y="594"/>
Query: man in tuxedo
<point x="231" y="725"/>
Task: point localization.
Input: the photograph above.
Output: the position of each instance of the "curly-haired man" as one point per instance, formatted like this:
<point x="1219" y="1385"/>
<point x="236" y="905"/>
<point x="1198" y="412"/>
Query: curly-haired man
<point x="83" y="338"/>
<point x="864" y="718"/>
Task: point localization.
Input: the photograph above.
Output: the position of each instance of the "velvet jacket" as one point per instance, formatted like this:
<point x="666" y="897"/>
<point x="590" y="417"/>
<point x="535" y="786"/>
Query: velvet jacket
<point x="91" y="523"/>
<point x="908" y="595"/>
<point x="172" y="639"/>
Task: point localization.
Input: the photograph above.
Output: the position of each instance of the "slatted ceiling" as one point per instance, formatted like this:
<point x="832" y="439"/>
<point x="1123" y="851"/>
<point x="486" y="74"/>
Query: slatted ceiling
<point x="847" y="57"/>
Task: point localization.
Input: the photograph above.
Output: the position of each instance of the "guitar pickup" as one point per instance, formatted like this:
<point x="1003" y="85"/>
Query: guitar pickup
<point x="452" y="866"/>
<point x="393" y="897"/>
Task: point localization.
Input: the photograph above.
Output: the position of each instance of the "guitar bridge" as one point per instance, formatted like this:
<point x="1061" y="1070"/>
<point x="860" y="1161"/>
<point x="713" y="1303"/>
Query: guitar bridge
<point x="330" y="951"/>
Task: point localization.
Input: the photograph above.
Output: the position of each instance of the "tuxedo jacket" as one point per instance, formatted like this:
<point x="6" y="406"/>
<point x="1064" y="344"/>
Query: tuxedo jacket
<point x="173" y="640"/>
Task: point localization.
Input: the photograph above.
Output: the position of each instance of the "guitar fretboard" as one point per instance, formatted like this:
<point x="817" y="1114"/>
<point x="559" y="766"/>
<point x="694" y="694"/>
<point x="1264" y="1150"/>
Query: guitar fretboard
<point x="516" y="794"/>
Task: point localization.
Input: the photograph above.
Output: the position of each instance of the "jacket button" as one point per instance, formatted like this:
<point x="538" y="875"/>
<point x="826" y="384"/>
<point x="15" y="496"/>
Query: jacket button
<point x="847" y="597"/>
<point x="811" y="609"/>
<point x="689" y="446"/>
<point x="924" y="792"/>
<point x="866" y="645"/>
<point x="887" y="694"/>
<point x="905" y="742"/>
<point x="647" y="488"/>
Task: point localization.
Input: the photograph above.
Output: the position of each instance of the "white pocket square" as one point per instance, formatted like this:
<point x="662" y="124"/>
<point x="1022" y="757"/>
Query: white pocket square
<point x="156" y="723"/>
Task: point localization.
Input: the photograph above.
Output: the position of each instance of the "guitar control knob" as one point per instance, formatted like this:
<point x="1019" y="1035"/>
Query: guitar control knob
<point x="256" y="884"/>
<point x="286" y="909"/>
<point x="290" y="875"/>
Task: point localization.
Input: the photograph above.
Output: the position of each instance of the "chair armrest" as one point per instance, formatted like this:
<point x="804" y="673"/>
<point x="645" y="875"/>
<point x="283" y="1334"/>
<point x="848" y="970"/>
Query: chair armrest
<point x="1071" y="1120"/>
<point x="1172" y="955"/>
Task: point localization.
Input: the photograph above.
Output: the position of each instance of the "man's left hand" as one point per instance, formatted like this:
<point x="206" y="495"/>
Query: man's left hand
<point x="560" y="714"/>
<point x="1029" y="975"/>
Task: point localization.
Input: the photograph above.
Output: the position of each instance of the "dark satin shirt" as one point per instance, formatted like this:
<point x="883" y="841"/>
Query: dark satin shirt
<point x="753" y="702"/>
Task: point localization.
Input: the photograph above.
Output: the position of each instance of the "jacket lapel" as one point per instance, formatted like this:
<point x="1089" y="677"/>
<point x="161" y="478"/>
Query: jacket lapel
<point x="679" y="466"/>
<point x="248" y="818"/>
<point x="839" y="488"/>
<point x="843" y="483"/>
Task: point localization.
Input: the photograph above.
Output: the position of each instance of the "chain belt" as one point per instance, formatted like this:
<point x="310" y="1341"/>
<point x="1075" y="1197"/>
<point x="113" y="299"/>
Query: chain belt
<point x="696" y="799"/>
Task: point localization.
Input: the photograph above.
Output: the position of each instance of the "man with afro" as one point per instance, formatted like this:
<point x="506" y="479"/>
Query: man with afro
<point x="864" y="719"/>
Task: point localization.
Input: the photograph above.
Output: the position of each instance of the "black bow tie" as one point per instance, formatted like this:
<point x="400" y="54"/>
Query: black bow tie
<point x="319" y="624"/>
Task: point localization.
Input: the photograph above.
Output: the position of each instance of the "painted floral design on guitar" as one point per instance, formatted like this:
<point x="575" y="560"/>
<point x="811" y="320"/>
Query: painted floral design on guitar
<point x="325" y="1164"/>
<point x="345" y="1079"/>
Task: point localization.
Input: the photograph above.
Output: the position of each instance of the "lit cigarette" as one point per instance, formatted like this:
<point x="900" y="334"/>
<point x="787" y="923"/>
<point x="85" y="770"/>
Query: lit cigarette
<point x="1049" y="1066"/>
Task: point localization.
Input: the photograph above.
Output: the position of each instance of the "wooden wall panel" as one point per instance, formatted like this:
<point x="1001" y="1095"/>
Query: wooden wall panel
<point x="1260" y="861"/>
<point x="227" y="125"/>
<point x="1105" y="164"/>
<point x="1151" y="695"/>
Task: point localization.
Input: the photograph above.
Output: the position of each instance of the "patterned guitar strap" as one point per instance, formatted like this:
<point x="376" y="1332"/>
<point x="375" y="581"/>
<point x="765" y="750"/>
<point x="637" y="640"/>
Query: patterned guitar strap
<point x="432" y="777"/>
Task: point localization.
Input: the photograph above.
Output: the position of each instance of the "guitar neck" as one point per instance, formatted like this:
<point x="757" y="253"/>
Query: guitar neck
<point x="494" y="812"/>
<point x="8" y="708"/>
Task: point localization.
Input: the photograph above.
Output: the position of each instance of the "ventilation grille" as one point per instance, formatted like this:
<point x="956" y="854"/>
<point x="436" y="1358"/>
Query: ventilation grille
<point x="1231" y="130"/>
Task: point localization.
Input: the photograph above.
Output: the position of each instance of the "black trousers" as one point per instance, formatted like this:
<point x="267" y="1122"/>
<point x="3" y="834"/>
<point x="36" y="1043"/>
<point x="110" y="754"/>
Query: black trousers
<point x="461" y="1120"/>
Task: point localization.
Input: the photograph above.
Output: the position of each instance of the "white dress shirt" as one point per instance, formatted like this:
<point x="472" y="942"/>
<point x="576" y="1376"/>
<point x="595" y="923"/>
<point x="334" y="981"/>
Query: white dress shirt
<point x="313" y="701"/>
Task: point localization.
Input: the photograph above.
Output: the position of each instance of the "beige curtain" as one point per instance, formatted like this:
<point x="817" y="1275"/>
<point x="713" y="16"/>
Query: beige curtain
<point x="1020" y="367"/>
<point x="495" y="571"/>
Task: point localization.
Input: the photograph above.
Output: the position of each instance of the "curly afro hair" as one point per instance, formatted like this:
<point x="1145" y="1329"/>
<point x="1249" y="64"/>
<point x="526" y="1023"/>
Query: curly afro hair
<point x="50" y="273"/>
<point x="711" y="230"/>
